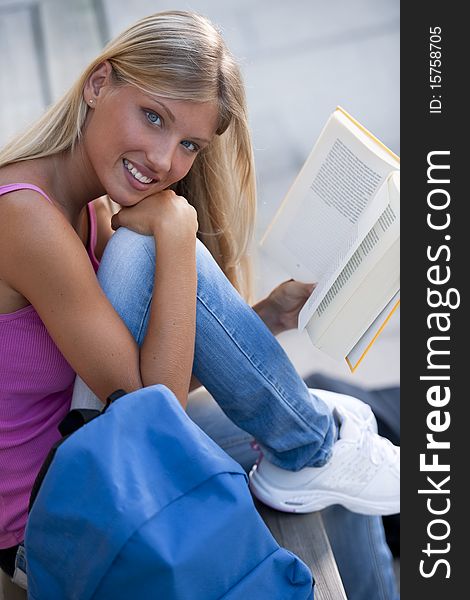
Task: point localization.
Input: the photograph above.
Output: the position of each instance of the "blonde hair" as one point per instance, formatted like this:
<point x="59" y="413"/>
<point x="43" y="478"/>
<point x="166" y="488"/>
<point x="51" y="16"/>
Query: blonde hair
<point x="178" y="55"/>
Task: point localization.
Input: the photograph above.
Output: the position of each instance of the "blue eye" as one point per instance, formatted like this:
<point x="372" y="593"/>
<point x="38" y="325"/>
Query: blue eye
<point x="191" y="146"/>
<point x="153" y="117"/>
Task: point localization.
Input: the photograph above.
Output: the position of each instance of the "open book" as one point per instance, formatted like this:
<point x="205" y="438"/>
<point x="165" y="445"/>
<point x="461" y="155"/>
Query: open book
<point x="339" y="226"/>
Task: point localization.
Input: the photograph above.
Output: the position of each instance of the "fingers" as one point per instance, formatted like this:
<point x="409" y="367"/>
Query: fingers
<point x="298" y="287"/>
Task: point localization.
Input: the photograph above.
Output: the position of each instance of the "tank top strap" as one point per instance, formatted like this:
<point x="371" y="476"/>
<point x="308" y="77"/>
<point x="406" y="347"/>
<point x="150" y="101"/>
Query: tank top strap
<point x="13" y="187"/>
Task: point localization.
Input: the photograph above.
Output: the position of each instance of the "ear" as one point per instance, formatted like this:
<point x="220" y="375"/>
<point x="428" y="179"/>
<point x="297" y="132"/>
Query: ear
<point x="100" y="78"/>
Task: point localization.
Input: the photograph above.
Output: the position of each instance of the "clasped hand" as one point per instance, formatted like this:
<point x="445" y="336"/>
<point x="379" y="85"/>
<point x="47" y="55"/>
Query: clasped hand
<point x="159" y="214"/>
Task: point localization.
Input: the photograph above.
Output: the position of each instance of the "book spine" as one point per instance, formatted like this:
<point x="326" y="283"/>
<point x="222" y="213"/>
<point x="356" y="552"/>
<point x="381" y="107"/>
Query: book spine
<point x="373" y="340"/>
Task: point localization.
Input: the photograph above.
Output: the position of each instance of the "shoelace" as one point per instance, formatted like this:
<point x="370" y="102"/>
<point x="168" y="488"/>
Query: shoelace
<point x="379" y="449"/>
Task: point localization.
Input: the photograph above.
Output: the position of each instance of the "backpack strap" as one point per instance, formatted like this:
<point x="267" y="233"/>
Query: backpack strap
<point x="78" y="417"/>
<point x="72" y="421"/>
<point x="113" y="397"/>
<point x="75" y="419"/>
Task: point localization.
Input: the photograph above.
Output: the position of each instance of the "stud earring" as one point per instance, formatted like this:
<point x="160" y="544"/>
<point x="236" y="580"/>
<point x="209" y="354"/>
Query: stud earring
<point x="90" y="101"/>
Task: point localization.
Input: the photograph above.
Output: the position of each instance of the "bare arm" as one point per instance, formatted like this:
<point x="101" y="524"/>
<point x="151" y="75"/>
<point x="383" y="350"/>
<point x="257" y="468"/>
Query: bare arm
<point x="167" y="352"/>
<point x="43" y="259"/>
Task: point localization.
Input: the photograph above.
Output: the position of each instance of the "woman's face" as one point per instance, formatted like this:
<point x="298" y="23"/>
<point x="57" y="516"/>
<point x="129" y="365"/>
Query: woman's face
<point x="139" y="144"/>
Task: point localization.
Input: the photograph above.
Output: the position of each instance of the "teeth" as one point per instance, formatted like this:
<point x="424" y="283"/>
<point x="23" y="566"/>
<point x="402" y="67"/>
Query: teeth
<point x="137" y="175"/>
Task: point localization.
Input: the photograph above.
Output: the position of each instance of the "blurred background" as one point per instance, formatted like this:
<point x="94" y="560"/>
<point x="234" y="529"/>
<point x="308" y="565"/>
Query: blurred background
<point x="300" y="59"/>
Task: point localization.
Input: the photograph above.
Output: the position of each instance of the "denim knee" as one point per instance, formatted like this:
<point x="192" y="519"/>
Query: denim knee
<point x="126" y="275"/>
<point x="127" y="272"/>
<point x="130" y="250"/>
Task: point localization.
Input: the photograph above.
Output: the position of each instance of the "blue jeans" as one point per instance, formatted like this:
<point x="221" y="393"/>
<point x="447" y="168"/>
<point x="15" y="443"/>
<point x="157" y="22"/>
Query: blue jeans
<point x="258" y="392"/>
<point x="236" y="357"/>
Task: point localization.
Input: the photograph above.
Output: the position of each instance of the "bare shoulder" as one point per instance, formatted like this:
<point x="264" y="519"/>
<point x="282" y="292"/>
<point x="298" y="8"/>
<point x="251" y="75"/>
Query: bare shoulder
<point x="28" y="224"/>
<point x="16" y="210"/>
<point x="37" y="246"/>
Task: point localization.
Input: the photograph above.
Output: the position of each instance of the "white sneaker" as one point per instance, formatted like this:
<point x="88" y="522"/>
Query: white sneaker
<point x="363" y="475"/>
<point x="350" y="403"/>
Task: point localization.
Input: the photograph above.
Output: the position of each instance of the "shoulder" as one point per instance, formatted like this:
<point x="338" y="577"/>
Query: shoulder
<point x="30" y="213"/>
<point x="34" y="236"/>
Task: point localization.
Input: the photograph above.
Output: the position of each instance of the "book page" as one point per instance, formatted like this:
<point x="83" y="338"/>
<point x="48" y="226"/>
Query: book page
<point x="336" y="293"/>
<point x="330" y="207"/>
<point x="355" y="316"/>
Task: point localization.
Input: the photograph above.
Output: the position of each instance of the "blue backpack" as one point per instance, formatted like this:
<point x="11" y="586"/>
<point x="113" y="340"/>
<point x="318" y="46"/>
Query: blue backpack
<point x="141" y="503"/>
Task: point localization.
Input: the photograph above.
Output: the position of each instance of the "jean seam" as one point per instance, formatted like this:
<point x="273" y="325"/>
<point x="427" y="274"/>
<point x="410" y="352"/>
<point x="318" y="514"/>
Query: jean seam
<point x="257" y="368"/>
<point x="380" y="581"/>
<point x="147" y="308"/>
<point x="149" y="302"/>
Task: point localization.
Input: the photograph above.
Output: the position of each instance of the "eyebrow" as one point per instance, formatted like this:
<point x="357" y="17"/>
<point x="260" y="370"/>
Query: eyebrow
<point x="172" y="117"/>
<point x="170" y="114"/>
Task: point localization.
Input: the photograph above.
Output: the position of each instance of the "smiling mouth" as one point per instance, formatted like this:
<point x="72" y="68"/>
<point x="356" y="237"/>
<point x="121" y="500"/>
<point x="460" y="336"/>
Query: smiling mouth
<point x="136" y="174"/>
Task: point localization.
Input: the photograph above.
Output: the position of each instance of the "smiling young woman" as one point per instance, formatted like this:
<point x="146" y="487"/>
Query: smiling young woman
<point x="158" y="123"/>
<point x="152" y="150"/>
<point x="172" y="56"/>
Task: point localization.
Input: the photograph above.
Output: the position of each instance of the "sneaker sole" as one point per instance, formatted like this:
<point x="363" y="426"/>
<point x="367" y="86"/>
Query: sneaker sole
<point x="301" y="502"/>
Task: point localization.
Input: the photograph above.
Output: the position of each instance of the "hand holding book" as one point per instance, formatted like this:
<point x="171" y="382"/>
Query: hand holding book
<point x="280" y="310"/>
<point x="339" y="226"/>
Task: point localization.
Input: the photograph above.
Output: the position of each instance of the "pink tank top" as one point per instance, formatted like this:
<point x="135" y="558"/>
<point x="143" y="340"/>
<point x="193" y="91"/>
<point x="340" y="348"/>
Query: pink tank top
<point x="36" y="385"/>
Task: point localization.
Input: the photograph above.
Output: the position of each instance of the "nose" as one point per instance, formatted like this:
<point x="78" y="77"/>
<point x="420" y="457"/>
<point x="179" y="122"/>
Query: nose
<point x="160" y="157"/>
